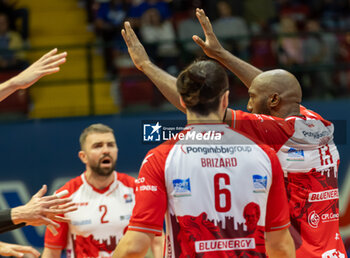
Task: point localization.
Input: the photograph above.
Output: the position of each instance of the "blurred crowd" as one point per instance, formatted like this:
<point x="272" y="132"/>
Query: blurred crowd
<point x="14" y="34"/>
<point x="310" y="38"/>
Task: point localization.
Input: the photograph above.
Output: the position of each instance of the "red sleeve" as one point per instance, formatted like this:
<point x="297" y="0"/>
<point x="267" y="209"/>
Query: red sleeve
<point x="151" y="197"/>
<point x="270" y="130"/>
<point x="60" y="240"/>
<point x="277" y="210"/>
<point x="126" y="180"/>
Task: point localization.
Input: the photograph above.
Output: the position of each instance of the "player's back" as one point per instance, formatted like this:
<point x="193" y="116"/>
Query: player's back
<point x="309" y="159"/>
<point x="218" y="192"/>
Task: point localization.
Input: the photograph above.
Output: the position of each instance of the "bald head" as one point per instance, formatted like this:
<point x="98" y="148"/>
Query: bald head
<point x="282" y="82"/>
<point x="281" y="91"/>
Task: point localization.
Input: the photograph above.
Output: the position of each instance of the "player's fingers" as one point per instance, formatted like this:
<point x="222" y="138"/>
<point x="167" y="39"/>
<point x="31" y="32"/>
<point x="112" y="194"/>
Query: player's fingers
<point x="48" y="54"/>
<point x="55" y="64"/>
<point x="56" y="202"/>
<point x="41" y="192"/>
<point x="204" y="21"/>
<point x="198" y="41"/>
<point x="50" y="71"/>
<point x="130" y="32"/>
<point x="55" y="58"/>
<point x="46" y="221"/>
<point x="50" y="212"/>
<point x="27" y="249"/>
<point x="126" y="39"/>
<point x="13" y="253"/>
<point x="61" y="219"/>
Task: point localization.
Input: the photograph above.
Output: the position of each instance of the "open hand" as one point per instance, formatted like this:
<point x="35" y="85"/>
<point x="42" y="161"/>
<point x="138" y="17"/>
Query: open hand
<point x="136" y="50"/>
<point x="211" y="46"/>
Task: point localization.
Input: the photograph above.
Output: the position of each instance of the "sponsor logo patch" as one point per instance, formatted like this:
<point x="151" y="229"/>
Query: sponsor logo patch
<point x="224" y="245"/>
<point x="259" y="183"/>
<point x="182" y="187"/>
<point x="127" y="198"/>
<point x="314" y="219"/>
<point x="295" y="155"/>
<point x="334" y="253"/>
<point x="324" y="196"/>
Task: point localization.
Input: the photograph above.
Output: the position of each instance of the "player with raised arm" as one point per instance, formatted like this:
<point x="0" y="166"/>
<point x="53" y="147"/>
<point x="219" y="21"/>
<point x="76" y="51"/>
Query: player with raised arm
<point x="302" y="139"/>
<point x="105" y="199"/>
<point x="217" y="202"/>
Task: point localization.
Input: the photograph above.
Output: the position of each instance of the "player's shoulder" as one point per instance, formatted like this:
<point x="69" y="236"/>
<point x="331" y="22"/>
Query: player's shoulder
<point x="72" y="185"/>
<point x="313" y="115"/>
<point x="126" y="179"/>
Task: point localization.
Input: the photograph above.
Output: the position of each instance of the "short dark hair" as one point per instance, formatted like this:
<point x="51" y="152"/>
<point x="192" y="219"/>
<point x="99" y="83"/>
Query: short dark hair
<point x="94" y="128"/>
<point x="201" y="85"/>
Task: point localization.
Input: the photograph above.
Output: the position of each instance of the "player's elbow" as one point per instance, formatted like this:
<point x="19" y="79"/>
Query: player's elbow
<point x="279" y="244"/>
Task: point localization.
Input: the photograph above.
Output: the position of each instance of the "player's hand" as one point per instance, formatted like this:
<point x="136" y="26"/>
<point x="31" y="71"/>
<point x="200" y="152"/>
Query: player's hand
<point x="211" y="46"/>
<point x="16" y="250"/>
<point x="47" y="64"/>
<point x="136" y="50"/>
<point x="43" y="210"/>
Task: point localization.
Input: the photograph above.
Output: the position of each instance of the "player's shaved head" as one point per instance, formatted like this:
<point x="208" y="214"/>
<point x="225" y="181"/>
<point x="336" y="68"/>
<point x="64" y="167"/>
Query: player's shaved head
<point x="280" y="91"/>
<point x="282" y="82"/>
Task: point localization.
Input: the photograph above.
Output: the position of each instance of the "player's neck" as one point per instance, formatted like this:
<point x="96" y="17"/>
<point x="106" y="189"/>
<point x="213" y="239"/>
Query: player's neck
<point x="212" y="118"/>
<point x="286" y="111"/>
<point x="98" y="181"/>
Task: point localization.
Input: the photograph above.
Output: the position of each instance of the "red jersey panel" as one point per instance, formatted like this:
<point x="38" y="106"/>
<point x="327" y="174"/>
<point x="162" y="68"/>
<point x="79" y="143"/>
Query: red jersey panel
<point x="218" y="203"/>
<point x="310" y="160"/>
<point x="99" y="223"/>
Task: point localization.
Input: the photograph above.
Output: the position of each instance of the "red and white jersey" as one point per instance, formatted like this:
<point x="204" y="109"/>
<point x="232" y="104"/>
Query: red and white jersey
<point x="219" y="195"/>
<point x="310" y="160"/>
<point x="99" y="223"/>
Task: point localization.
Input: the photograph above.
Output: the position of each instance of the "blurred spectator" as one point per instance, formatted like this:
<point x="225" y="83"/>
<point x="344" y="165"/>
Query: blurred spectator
<point x="14" y="14"/>
<point x="318" y="55"/>
<point x="294" y="9"/>
<point x="10" y="45"/>
<point x="290" y="51"/>
<point x="137" y="11"/>
<point x="344" y="60"/>
<point x="186" y="29"/>
<point x="263" y="50"/>
<point x="233" y="30"/>
<point x="259" y="12"/>
<point x="108" y="23"/>
<point x="159" y="36"/>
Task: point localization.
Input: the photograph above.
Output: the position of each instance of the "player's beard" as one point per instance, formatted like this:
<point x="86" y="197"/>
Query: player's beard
<point x="103" y="171"/>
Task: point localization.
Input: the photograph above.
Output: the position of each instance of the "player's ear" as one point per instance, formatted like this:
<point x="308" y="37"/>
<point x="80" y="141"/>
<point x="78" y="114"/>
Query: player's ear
<point x="82" y="156"/>
<point x="224" y="100"/>
<point x="274" y="100"/>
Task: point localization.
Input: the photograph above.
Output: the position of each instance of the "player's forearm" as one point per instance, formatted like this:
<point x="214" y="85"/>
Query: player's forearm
<point x="7" y="88"/>
<point x="165" y="82"/>
<point x="243" y="70"/>
<point x="280" y="244"/>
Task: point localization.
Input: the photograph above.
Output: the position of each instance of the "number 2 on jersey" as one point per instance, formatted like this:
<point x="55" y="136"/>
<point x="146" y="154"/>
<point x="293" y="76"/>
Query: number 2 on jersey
<point x="103" y="208"/>
<point x="224" y="192"/>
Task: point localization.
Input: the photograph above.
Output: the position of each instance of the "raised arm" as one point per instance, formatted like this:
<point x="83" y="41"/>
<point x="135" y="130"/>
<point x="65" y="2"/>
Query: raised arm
<point x="165" y="82"/>
<point x="47" y="64"/>
<point x="212" y="48"/>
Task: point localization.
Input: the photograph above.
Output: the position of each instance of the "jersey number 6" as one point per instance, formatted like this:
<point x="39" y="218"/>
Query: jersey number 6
<point x="224" y="192"/>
